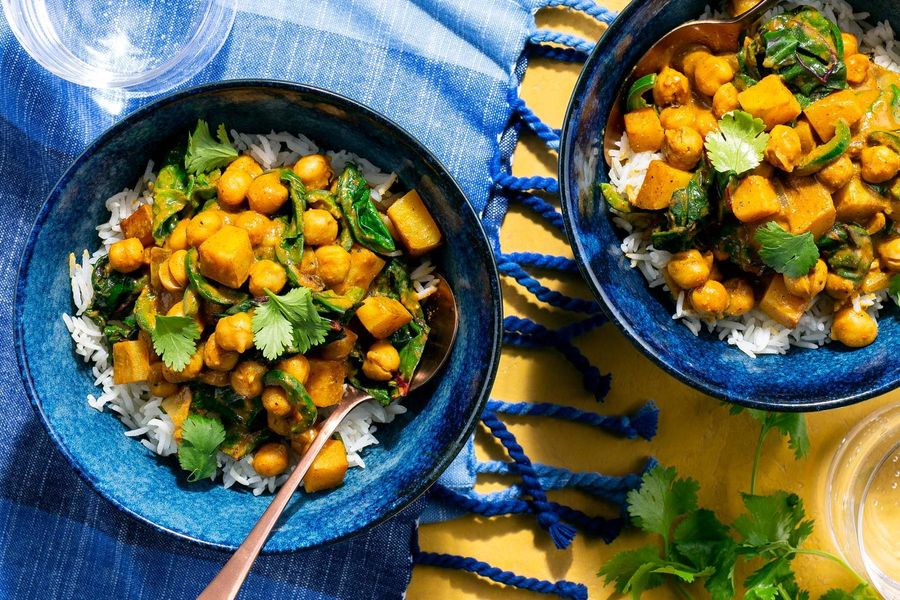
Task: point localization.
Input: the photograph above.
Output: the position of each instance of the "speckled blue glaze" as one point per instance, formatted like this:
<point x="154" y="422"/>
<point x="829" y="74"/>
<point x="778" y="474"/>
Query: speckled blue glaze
<point x="802" y="380"/>
<point x="414" y="449"/>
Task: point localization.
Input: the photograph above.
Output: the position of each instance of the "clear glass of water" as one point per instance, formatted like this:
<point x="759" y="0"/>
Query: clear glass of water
<point x="863" y="499"/>
<point x="140" y="46"/>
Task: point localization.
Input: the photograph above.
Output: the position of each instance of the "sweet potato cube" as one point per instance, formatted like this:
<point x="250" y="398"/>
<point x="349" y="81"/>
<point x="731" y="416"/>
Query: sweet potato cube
<point x="325" y="383"/>
<point x="645" y="132"/>
<point x="808" y="206"/>
<point x="782" y="306"/>
<point x="365" y="266"/>
<point x="329" y="468"/>
<point x="139" y="225"/>
<point x="771" y="101"/>
<point x="131" y="362"/>
<point x="823" y="114"/>
<point x="226" y="256"/>
<point x="382" y="316"/>
<point x="661" y="182"/>
<point x="414" y="224"/>
<point x="755" y="199"/>
<point x="178" y="406"/>
<point x="339" y="349"/>
<point x="858" y="202"/>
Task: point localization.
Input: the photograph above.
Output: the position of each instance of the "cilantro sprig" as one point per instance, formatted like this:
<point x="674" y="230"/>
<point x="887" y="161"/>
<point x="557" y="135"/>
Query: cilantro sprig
<point x="739" y="144"/>
<point x="204" y="153"/>
<point x="200" y="438"/>
<point x="288" y="321"/>
<point x="175" y="340"/>
<point x="789" y="254"/>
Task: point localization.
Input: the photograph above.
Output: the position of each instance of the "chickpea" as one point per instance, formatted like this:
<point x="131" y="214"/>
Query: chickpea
<point x="879" y="163"/>
<point x="688" y="269"/>
<point x="167" y="280"/>
<point x="676" y="117"/>
<point x="231" y="189"/>
<point x="671" y="87"/>
<point x="216" y="378"/>
<point x="314" y="170"/>
<point x="271" y="459"/>
<point x="725" y="100"/>
<point x="712" y="73"/>
<point x="858" y="69"/>
<point x="339" y="349"/>
<point x="740" y="297"/>
<point x="851" y="44"/>
<point x="158" y="384"/>
<point x="710" y="299"/>
<point x="319" y="227"/>
<point x="889" y="255"/>
<point x="300" y="441"/>
<point x="275" y="401"/>
<point x="267" y="194"/>
<point x="246" y="163"/>
<point x="280" y="425"/>
<point x="202" y="226"/>
<point x="809" y="285"/>
<point x="854" y="328"/>
<point x="126" y="256"/>
<point x="177" y="240"/>
<point x="691" y="59"/>
<point x="247" y="378"/>
<point x="177" y="268"/>
<point x="189" y="372"/>
<point x="296" y="366"/>
<point x="682" y="148"/>
<point x="784" y="149"/>
<point x="705" y="123"/>
<point x="876" y="223"/>
<point x="216" y="358"/>
<point x="839" y="287"/>
<point x="334" y="264"/>
<point x="235" y="332"/>
<point x="256" y="225"/>
<point x="266" y="274"/>
<point x="837" y="174"/>
<point x="382" y="360"/>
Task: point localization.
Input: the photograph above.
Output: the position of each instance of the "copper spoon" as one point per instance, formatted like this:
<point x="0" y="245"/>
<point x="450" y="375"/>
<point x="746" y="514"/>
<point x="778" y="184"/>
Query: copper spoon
<point x="444" y="320"/>
<point x="717" y="36"/>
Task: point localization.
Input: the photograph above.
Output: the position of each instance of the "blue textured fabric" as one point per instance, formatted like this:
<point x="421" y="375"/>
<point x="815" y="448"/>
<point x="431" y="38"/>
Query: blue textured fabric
<point x="440" y="68"/>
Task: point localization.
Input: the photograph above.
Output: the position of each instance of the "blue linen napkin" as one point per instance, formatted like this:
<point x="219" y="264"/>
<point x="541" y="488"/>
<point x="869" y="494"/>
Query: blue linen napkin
<point x="440" y="68"/>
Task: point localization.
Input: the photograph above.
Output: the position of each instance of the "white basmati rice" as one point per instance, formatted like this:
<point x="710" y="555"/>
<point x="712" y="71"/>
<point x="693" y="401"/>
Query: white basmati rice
<point x="141" y="412"/>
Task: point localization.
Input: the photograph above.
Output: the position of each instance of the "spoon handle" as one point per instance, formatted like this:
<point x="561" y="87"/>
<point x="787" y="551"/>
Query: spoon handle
<point x="227" y="584"/>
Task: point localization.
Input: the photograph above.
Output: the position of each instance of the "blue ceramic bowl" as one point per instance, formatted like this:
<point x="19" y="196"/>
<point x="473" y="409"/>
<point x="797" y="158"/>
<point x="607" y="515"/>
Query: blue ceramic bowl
<point x="414" y="449"/>
<point x="802" y="380"/>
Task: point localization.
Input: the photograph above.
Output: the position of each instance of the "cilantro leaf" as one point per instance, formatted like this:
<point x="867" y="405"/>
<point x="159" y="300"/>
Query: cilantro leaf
<point x="791" y="255"/>
<point x="622" y="567"/>
<point x="790" y="425"/>
<point x="288" y="321"/>
<point x="704" y="542"/>
<point x="175" y="340"/>
<point x="772" y="522"/>
<point x="200" y="438"/>
<point x="860" y="592"/>
<point x="660" y="500"/>
<point x="739" y="144"/>
<point x="205" y="154"/>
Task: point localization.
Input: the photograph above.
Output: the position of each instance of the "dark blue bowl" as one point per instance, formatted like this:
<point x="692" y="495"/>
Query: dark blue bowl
<point x="802" y="380"/>
<point x="414" y="449"/>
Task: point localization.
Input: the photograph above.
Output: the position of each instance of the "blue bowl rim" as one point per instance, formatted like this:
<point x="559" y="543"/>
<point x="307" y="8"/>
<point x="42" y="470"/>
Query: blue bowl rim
<point x="570" y="219"/>
<point x="25" y="262"/>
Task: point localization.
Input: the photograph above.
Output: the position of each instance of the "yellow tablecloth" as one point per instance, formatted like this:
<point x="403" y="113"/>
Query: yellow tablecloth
<point x="696" y="434"/>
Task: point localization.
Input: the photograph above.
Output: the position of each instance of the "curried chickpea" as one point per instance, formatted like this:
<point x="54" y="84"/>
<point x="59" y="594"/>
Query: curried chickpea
<point x="127" y="255"/>
<point x="246" y="163"/>
<point x="837" y="174"/>
<point x="671" y="87"/>
<point x="177" y="240"/>
<point x="839" y="287"/>
<point x="712" y="73"/>
<point x="334" y="264"/>
<point x="676" y="117"/>
<point x="157" y="382"/>
<point x="682" y="148"/>
<point x="809" y="285"/>
<point x="740" y="297"/>
<point x="858" y="68"/>
<point x="688" y="269"/>
<point x="235" y="332"/>
<point x="296" y="366"/>
<point x="177" y="268"/>
<point x="710" y="299"/>
<point x="256" y="225"/>
<point x="876" y="223"/>
<point x="705" y="123"/>
<point x="889" y="255"/>
<point x="216" y="378"/>
<point x="854" y="328"/>
<point x="202" y="226"/>
<point x="266" y="275"/>
<point x="691" y="59"/>
<point x="231" y="189"/>
<point x="314" y="170"/>
<point x="784" y="149"/>
<point x="275" y="401"/>
<point x="280" y="425"/>
<point x="189" y="372"/>
<point x="851" y="44"/>
<point x="879" y="163"/>
<point x="267" y="194"/>
<point x="319" y="227"/>
<point x="382" y="360"/>
<point x="270" y="459"/>
<point x="725" y="100"/>
<point x="247" y="378"/>
<point x="216" y="358"/>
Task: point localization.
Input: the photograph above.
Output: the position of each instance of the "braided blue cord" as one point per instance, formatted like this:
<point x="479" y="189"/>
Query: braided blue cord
<point x="643" y="422"/>
<point x="541" y="207"/>
<point x="582" y="327"/>
<point x="555" y="478"/>
<point x="524" y="184"/>
<point x="555" y="53"/>
<point x="547" y="517"/>
<point x="562" y="588"/>
<point x="563" y="39"/>
<point x="545" y="294"/>
<point x="516" y="491"/>
<point x="540" y="129"/>
<point x="589" y="7"/>
<point x="541" y="261"/>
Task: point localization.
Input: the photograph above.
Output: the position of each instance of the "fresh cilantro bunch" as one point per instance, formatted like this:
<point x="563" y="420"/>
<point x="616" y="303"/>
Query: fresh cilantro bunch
<point x="200" y="438"/>
<point x="204" y="153"/>
<point x="739" y="144"/>
<point x="288" y="321"/>
<point x="789" y="254"/>
<point x="175" y="340"/>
